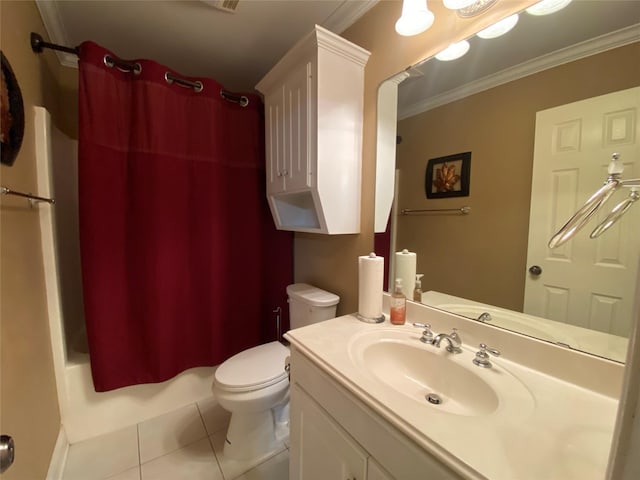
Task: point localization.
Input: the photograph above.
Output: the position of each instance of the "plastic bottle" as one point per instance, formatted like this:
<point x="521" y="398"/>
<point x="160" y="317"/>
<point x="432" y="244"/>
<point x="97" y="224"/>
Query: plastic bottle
<point x="417" y="291"/>
<point x="398" y="304"/>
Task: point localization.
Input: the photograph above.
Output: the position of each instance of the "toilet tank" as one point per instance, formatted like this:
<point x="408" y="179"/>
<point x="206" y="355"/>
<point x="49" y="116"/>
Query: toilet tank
<point x="309" y="304"/>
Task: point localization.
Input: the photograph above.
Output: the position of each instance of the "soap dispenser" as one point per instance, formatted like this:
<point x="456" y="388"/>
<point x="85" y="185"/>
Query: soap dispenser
<point x="398" y="304"/>
<point x="417" y="291"/>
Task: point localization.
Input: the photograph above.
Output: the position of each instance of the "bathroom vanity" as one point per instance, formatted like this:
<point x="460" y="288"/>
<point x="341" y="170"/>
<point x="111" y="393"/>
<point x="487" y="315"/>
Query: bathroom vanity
<point x="359" y="408"/>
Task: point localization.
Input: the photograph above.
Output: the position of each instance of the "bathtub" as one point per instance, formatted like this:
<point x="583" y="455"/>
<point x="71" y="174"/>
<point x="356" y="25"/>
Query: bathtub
<point x="84" y="412"/>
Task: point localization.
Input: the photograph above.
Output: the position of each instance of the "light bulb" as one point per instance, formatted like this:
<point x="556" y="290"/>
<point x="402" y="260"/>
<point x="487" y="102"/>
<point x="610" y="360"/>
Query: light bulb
<point x="545" y="7"/>
<point x="499" y="28"/>
<point x="457" y="4"/>
<point x="415" y="18"/>
<point x="453" y="51"/>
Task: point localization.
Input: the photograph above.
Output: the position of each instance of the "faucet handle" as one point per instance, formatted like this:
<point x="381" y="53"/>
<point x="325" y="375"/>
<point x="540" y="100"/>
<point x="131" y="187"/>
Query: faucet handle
<point x="427" y="334"/>
<point x="482" y="356"/>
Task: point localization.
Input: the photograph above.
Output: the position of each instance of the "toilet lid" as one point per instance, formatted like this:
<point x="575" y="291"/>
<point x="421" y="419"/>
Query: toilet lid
<point x="256" y="367"/>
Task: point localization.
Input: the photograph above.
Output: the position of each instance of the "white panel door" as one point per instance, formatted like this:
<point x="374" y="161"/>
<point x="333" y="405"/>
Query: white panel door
<point x="588" y="283"/>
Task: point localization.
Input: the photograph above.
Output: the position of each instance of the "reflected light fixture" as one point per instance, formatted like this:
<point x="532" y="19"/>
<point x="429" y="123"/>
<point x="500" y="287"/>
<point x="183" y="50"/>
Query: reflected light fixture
<point x="415" y="18"/>
<point x="453" y="51"/>
<point x="499" y="28"/>
<point x="545" y="7"/>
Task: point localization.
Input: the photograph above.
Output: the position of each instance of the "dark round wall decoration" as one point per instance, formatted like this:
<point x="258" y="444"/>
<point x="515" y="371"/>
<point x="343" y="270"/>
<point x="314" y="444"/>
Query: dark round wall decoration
<point x="11" y="114"/>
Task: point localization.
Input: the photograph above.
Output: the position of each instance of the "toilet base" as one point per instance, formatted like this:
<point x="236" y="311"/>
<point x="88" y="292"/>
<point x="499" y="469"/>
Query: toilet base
<point x="252" y="435"/>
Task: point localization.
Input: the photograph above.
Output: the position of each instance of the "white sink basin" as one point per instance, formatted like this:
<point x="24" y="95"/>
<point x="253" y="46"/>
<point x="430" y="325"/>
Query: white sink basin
<point x="402" y="365"/>
<point x="418" y="372"/>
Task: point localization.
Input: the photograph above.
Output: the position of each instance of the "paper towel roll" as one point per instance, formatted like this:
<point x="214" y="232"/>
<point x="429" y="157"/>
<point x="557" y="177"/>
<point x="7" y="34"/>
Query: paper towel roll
<point x="370" y="275"/>
<point x="406" y="270"/>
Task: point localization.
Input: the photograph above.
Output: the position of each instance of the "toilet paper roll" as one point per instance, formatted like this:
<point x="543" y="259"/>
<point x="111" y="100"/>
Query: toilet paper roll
<point x="370" y="275"/>
<point x="405" y="269"/>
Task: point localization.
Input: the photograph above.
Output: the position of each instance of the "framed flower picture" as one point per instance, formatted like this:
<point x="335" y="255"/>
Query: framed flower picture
<point x="448" y="176"/>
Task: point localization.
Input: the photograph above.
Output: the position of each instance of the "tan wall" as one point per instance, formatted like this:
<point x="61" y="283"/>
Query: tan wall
<point x="29" y="406"/>
<point x="458" y="254"/>
<point x="331" y="261"/>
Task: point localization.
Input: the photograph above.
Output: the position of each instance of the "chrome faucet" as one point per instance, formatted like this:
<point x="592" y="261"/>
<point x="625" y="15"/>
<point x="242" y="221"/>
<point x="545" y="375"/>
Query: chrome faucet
<point x="453" y="339"/>
<point x="427" y="335"/>
<point x="484" y="317"/>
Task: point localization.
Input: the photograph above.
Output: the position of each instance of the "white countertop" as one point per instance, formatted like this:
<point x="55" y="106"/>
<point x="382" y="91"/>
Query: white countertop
<point x="545" y="428"/>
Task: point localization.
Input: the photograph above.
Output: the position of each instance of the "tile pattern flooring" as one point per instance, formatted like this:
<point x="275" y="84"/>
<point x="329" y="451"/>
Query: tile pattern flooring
<point x="183" y="444"/>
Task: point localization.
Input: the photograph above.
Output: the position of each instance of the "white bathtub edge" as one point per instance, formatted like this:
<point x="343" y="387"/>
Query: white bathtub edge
<point x="59" y="456"/>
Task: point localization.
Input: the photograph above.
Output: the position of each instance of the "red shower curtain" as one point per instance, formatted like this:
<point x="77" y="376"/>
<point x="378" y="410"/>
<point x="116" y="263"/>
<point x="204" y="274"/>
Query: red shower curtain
<point x="181" y="263"/>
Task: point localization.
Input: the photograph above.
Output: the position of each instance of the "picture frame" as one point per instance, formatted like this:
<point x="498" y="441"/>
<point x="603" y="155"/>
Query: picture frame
<point x="448" y="176"/>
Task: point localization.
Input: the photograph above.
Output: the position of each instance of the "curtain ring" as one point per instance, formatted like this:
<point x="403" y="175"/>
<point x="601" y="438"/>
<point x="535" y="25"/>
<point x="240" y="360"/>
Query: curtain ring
<point x="244" y="101"/>
<point x="137" y="68"/>
<point x="108" y="61"/>
<point x="167" y="78"/>
<point x="198" y="86"/>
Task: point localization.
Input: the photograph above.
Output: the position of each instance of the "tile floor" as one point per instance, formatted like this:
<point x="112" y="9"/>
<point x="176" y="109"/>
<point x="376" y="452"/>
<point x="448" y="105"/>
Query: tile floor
<point x="183" y="444"/>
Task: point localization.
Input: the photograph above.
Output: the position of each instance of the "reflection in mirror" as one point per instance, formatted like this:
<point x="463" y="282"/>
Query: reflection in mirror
<point x="541" y="132"/>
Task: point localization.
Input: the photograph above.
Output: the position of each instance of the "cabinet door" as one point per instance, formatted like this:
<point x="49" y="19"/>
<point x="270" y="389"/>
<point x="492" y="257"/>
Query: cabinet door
<point x="297" y="110"/>
<point x="320" y="448"/>
<point x="274" y="140"/>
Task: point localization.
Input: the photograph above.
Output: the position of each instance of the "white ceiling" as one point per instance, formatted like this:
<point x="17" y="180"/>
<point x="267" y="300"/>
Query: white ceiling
<point x="194" y="39"/>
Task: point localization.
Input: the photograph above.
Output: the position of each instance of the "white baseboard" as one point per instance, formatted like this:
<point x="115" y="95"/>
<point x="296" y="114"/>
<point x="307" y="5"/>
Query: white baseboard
<point x="59" y="456"/>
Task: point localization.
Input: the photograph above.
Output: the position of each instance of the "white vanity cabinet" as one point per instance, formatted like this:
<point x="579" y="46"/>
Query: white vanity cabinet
<point x="313" y="134"/>
<point x="325" y="450"/>
<point x="335" y="436"/>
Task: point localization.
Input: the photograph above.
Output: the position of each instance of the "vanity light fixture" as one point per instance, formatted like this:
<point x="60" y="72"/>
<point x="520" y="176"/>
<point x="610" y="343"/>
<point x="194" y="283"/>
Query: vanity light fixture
<point x="545" y="7"/>
<point x="457" y="4"/>
<point x="499" y="28"/>
<point x="416" y="18"/>
<point x="453" y="51"/>
<point x="475" y="8"/>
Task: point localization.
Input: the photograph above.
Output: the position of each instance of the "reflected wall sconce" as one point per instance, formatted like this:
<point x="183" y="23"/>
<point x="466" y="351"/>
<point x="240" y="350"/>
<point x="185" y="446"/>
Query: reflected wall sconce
<point x="453" y="51"/>
<point x="545" y="7"/>
<point x="499" y="28"/>
<point x="416" y="18"/>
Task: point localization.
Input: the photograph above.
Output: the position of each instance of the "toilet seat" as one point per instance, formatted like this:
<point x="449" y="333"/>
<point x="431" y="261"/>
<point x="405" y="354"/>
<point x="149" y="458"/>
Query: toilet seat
<point x="253" y="369"/>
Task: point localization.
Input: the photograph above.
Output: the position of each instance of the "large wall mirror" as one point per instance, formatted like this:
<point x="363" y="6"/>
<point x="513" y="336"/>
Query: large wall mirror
<point x="509" y="101"/>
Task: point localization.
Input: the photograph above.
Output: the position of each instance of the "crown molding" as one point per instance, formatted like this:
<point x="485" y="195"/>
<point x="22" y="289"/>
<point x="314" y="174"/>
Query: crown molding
<point x="56" y="31"/>
<point x="346" y="14"/>
<point x="581" y="50"/>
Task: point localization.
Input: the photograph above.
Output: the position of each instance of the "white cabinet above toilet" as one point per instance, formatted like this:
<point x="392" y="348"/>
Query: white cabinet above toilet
<point x="313" y="134"/>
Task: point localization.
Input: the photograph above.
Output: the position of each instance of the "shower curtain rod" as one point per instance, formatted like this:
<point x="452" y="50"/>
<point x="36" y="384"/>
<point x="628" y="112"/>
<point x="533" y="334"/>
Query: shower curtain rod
<point x="38" y="44"/>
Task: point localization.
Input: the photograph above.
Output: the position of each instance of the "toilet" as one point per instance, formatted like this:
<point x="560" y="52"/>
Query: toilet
<point x="253" y="385"/>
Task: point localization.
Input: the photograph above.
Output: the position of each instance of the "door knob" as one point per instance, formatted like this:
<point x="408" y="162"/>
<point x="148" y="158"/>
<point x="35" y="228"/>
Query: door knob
<point x="7" y="452"/>
<point x="535" y="270"/>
